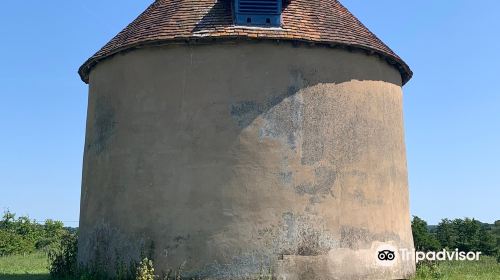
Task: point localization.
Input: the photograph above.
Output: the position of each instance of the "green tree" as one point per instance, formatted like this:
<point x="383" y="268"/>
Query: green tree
<point x="16" y="235"/>
<point x="496" y="232"/>
<point x="487" y="242"/>
<point x="12" y="243"/>
<point x="423" y="239"/>
<point x="28" y="229"/>
<point x="467" y="230"/>
<point x="467" y="235"/>
<point x="446" y="234"/>
<point x="52" y="233"/>
<point x="7" y="220"/>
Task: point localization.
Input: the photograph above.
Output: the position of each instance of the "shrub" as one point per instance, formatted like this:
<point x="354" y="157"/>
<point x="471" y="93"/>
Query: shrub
<point x="48" y="244"/>
<point x="17" y="236"/>
<point x="63" y="258"/>
<point x="12" y="243"/>
<point x="145" y="270"/>
<point x="429" y="270"/>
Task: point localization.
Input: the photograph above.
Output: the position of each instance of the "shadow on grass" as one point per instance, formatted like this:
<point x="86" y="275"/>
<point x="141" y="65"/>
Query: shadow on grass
<point x="24" y="276"/>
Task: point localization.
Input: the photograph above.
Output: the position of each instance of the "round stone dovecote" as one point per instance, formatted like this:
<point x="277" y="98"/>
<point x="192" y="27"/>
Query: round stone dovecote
<point x="231" y="150"/>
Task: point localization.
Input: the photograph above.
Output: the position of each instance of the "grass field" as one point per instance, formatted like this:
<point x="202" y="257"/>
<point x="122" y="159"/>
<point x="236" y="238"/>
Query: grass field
<point x="34" y="267"/>
<point x="485" y="269"/>
<point x="29" y="267"/>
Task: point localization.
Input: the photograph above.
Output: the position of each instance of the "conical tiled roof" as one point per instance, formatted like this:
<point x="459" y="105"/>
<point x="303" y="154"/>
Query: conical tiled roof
<point x="325" y="22"/>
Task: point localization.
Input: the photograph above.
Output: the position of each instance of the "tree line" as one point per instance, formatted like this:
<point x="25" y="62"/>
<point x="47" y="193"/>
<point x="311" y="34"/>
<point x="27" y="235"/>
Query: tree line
<point x="23" y="235"/>
<point x="462" y="234"/>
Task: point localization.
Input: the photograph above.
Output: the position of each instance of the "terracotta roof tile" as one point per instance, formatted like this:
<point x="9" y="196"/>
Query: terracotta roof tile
<point x="316" y="21"/>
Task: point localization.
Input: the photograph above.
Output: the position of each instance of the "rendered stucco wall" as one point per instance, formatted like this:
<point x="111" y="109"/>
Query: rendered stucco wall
<point x="233" y="157"/>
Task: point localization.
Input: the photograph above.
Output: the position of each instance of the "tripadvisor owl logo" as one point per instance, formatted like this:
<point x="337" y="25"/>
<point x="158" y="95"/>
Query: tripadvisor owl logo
<point x="386" y="255"/>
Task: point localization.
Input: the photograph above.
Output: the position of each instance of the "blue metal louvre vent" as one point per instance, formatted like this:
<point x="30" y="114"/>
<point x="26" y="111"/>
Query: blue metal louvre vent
<point x="258" y="12"/>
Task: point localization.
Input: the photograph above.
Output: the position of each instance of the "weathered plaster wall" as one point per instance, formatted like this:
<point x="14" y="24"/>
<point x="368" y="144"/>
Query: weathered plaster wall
<point x="236" y="156"/>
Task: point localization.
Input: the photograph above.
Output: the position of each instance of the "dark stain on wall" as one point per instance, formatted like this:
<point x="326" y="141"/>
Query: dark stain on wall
<point x="357" y="238"/>
<point x="245" y="112"/>
<point x="301" y="236"/>
<point x="179" y="240"/>
<point x="325" y="180"/>
<point x="103" y="127"/>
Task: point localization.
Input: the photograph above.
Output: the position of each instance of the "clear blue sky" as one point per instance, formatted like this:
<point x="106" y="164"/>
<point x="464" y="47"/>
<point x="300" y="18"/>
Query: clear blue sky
<point x="452" y="105"/>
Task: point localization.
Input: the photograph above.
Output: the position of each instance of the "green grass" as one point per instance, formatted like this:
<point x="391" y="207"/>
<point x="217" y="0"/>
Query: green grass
<point x="29" y="267"/>
<point x="486" y="268"/>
